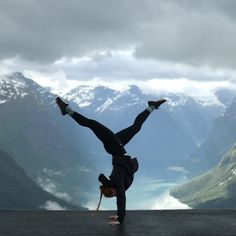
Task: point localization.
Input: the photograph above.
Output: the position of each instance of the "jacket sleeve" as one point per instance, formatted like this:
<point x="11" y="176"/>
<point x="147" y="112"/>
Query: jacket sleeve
<point x="121" y="202"/>
<point x="104" y="180"/>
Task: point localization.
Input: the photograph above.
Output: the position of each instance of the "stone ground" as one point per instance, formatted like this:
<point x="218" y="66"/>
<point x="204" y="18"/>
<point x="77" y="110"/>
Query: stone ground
<point x="148" y="223"/>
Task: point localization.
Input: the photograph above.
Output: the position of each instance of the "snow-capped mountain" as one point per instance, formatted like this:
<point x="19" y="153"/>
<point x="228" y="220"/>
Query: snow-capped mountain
<point x="176" y="130"/>
<point x="16" y="86"/>
<point x="65" y="158"/>
<point x="194" y="116"/>
<point x="40" y="140"/>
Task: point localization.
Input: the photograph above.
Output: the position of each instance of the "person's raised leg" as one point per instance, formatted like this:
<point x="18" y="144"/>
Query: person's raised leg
<point x="127" y="134"/>
<point x="111" y="142"/>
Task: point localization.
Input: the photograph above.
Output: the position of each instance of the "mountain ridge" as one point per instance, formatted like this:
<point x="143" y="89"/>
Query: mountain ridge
<point x="66" y="158"/>
<point x="214" y="189"/>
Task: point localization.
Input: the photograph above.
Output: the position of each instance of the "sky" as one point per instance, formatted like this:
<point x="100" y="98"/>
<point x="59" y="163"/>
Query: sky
<point x="178" y="45"/>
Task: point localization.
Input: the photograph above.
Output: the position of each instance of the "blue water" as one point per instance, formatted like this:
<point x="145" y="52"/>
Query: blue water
<point x="144" y="194"/>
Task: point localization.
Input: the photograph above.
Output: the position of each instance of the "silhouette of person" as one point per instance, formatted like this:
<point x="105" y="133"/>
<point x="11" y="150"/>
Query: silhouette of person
<point x="124" y="166"/>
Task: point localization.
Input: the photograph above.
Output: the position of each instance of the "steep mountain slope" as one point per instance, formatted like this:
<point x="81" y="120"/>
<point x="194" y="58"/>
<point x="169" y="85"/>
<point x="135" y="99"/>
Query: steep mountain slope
<point x="225" y="96"/>
<point x="222" y="137"/>
<point x="18" y="191"/>
<point x="215" y="189"/>
<point x="40" y="140"/>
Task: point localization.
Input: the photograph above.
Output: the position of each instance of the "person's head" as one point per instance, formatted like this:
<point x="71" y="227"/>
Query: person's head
<point x="107" y="192"/>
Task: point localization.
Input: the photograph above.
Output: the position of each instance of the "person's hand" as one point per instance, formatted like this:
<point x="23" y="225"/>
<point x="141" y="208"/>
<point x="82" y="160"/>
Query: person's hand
<point x="112" y="217"/>
<point x="114" y="222"/>
<point x="93" y="213"/>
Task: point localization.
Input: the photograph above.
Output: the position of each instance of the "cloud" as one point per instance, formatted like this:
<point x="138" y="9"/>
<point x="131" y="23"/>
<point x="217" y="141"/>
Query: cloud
<point x="51" y="172"/>
<point x="84" y="169"/>
<point x="51" y="187"/>
<point x="166" y="201"/>
<point x="203" y="91"/>
<point x="178" y="169"/>
<point x="157" y="45"/>
<point x="52" y="206"/>
<point x="144" y="194"/>
<point x="189" y="32"/>
<point x="151" y="194"/>
<point x="36" y="32"/>
<point x="119" y="70"/>
<point x="191" y="35"/>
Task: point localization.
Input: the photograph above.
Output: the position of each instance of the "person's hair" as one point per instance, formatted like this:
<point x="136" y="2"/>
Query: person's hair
<point x="106" y="191"/>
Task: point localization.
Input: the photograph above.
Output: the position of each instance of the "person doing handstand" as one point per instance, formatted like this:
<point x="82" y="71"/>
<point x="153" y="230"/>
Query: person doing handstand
<point x="124" y="166"/>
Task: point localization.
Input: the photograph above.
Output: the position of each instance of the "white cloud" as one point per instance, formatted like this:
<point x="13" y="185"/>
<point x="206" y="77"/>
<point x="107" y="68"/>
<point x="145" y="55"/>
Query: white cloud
<point x="56" y="81"/>
<point x="84" y="169"/>
<point x="51" y="187"/>
<point x="119" y="69"/>
<point x="138" y="200"/>
<point x="200" y="90"/>
<point x="51" y="172"/>
<point x="178" y="31"/>
<point x="144" y="194"/>
<point x="166" y="201"/>
<point x="178" y="169"/>
<point x="52" y="206"/>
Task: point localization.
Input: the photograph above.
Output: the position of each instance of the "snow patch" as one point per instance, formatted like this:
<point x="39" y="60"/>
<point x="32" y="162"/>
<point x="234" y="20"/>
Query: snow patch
<point x="12" y="86"/>
<point x="234" y="172"/>
<point x="105" y="105"/>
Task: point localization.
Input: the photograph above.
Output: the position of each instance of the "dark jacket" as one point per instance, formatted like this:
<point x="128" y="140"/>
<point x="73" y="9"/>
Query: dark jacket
<point x="121" y="178"/>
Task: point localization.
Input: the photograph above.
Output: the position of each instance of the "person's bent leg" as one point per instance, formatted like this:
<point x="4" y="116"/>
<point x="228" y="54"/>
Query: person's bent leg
<point x="127" y="134"/>
<point x="111" y="142"/>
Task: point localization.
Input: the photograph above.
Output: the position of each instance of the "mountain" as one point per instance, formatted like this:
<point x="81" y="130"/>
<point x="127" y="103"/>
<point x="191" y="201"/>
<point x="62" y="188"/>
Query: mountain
<point x="193" y="116"/>
<point x="214" y="189"/>
<point x="221" y="138"/>
<point x="167" y="139"/>
<point x="65" y="158"/>
<point x="225" y="96"/>
<point x="18" y="191"/>
<point x="41" y="141"/>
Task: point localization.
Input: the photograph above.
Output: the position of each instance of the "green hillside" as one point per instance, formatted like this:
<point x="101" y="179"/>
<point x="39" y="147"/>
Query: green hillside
<point x="18" y="191"/>
<point x="215" y="189"/>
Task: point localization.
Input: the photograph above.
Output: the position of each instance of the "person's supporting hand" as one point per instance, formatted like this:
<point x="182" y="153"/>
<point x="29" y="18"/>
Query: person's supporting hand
<point x="114" y="222"/>
<point x="93" y="213"/>
<point x="112" y="217"/>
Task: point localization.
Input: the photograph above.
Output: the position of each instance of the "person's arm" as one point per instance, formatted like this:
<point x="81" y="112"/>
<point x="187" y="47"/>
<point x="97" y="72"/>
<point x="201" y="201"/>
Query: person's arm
<point x="104" y="180"/>
<point x="121" y="202"/>
<point x="121" y="208"/>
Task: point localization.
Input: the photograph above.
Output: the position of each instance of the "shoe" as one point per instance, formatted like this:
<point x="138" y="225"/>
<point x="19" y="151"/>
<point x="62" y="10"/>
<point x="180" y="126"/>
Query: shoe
<point x="157" y="103"/>
<point x="62" y="105"/>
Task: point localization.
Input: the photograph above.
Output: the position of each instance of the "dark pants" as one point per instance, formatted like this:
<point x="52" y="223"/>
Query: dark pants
<point x="113" y="143"/>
